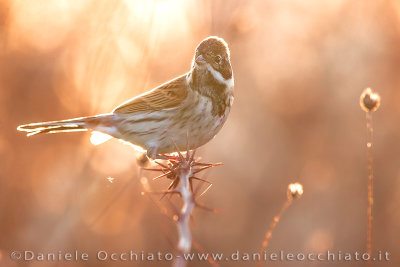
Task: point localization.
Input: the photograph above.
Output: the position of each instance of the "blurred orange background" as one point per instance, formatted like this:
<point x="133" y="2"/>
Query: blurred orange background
<point x="300" y="67"/>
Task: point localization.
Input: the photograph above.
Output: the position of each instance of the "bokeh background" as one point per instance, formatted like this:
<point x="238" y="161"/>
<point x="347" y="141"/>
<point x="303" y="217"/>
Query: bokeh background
<point x="300" y="67"/>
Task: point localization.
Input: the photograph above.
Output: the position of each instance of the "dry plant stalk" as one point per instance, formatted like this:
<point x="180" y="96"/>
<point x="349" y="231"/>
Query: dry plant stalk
<point x="369" y="102"/>
<point x="294" y="191"/>
<point x="182" y="170"/>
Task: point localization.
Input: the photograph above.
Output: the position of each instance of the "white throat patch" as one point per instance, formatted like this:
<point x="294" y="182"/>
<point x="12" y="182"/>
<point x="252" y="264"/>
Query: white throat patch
<point x="229" y="83"/>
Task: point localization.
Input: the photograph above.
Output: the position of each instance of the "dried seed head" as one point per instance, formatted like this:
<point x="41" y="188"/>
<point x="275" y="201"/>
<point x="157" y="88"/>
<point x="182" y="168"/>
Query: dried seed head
<point x="295" y="190"/>
<point x="142" y="160"/>
<point x="369" y="100"/>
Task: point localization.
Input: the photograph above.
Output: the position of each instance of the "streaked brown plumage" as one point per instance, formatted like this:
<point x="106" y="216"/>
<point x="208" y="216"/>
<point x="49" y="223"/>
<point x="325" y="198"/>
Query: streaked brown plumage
<point x="190" y="109"/>
<point x="168" y="95"/>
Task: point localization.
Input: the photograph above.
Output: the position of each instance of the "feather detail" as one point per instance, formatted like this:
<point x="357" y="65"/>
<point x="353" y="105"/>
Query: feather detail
<point x="98" y="138"/>
<point x="99" y="122"/>
<point x="167" y="95"/>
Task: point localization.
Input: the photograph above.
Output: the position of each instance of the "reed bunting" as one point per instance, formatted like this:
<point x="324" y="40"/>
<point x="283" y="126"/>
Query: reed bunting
<point x="188" y="110"/>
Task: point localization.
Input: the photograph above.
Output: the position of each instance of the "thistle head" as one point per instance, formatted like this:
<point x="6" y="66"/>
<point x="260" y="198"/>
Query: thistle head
<point x="294" y="191"/>
<point x="369" y="100"/>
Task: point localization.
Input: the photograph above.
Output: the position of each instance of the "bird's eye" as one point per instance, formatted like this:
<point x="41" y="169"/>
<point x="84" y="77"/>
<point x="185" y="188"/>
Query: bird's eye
<point x="218" y="59"/>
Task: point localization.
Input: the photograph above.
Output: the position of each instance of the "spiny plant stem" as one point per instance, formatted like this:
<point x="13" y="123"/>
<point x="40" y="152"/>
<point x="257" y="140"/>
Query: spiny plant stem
<point x="370" y="131"/>
<point x="185" y="238"/>
<point x="181" y="170"/>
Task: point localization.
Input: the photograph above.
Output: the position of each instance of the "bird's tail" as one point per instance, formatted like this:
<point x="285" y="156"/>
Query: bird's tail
<point x="77" y="124"/>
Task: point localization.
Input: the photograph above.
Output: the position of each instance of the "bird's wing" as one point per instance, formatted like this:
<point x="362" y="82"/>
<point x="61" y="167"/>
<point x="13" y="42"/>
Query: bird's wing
<point x="168" y="95"/>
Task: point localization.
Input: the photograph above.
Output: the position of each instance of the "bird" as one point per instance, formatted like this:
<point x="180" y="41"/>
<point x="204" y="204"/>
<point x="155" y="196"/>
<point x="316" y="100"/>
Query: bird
<point x="181" y="114"/>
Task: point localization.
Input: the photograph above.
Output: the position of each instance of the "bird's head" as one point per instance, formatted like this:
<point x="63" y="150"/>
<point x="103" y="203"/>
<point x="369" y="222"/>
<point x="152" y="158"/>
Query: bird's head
<point x="213" y="54"/>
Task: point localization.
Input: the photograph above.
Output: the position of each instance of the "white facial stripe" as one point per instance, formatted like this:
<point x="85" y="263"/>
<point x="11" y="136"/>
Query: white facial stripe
<point x="230" y="83"/>
<point x="217" y="75"/>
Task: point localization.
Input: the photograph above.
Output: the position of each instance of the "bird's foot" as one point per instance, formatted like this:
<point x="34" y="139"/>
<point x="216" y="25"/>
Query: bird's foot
<point x="167" y="157"/>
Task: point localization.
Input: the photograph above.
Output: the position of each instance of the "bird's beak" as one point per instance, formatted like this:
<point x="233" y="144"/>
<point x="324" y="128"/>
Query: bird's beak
<point x="200" y="60"/>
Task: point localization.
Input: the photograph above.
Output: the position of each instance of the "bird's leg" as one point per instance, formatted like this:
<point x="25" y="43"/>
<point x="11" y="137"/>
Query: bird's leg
<point x="152" y="154"/>
<point x="166" y="157"/>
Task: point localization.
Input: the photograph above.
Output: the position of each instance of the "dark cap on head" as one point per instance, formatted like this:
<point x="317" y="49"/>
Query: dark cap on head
<point x="212" y="43"/>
